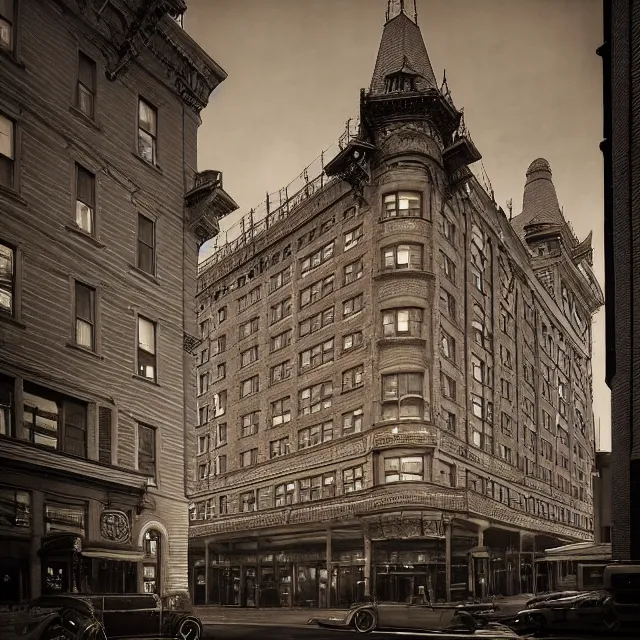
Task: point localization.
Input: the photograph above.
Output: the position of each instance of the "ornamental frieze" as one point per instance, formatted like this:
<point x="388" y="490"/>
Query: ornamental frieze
<point x="400" y="526"/>
<point x="417" y="438"/>
<point x="347" y="507"/>
<point x="115" y="526"/>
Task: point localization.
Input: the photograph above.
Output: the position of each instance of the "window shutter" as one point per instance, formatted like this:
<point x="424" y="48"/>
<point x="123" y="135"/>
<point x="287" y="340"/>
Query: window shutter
<point x="104" y="434"/>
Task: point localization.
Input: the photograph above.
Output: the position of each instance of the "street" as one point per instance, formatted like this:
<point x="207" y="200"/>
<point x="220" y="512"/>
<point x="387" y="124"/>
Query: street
<point x="228" y="631"/>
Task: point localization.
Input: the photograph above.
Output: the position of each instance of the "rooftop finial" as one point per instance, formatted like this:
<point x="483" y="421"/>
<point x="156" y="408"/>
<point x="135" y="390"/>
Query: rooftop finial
<point x="396" y="7"/>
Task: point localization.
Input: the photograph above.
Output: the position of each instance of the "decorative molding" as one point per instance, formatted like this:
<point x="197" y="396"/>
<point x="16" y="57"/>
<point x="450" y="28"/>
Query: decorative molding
<point x="190" y="343"/>
<point x="115" y="526"/>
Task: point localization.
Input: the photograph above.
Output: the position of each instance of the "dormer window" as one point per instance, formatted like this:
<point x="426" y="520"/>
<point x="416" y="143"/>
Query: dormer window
<point x="400" y="82"/>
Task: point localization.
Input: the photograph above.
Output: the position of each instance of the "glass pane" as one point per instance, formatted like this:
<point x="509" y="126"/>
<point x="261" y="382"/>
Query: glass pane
<point x="84" y="216"/>
<point x="146" y="146"/>
<point x="147" y="335"/>
<point x="85" y="101"/>
<point x="84" y="334"/>
<point x="390" y="387"/>
<point x="403" y="256"/>
<point x="6" y="137"/>
<point x="86" y="71"/>
<point x="145" y="230"/>
<point x="403" y="321"/>
<point x="392" y="464"/>
<point x="84" y="302"/>
<point x="85" y="183"/>
<point x="147" y="117"/>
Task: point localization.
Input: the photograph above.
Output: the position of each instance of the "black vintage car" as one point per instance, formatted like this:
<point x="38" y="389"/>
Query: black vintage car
<point x="418" y="614"/>
<point x="68" y="618"/>
<point x="133" y="616"/>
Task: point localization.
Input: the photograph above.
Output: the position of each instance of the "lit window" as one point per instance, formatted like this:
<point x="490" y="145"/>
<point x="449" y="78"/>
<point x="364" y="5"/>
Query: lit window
<point x="402" y="396"/>
<point x="85" y="316"/>
<point x="146" y="348"/>
<point x="404" y="256"/>
<point x="402" y="204"/>
<point x="403" y="469"/>
<point x="85" y="199"/>
<point x="147" y="131"/>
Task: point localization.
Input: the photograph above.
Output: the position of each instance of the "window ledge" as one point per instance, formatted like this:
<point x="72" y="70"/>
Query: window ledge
<point x="147" y="164"/>
<point x="388" y="340"/>
<point x="358" y="388"/>
<point x="392" y="218"/>
<point x="137" y="271"/>
<point x="12" y="58"/>
<point x="81" y="349"/>
<point x="346" y="352"/>
<point x="85" y="118"/>
<point x="135" y="376"/>
<point x="74" y="228"/>
<point x="384" y="274"/>
<point x="6" y="317"/>
<point x="12" y="194"/>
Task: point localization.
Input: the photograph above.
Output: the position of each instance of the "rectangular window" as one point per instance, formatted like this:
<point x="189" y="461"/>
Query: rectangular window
<point x="247" y="502"/>
<point x="278" y="280"/>
<point x="146" y="245"/>
<point x="448" y="230"/>
<point x="203" y="383"/>
<point x="55" y="421"/>
<point x="221" y="371"/>
<point x="221" y="435"/>
<point x="281" y="411"/>
<point x="402" y="396"/>
<point x="204" y="356"/>
<point x="279" y="447"/>
<point x="448" y="268"/>
<point x="105" y="430"/>
<point x="7" y="151"/>
<point x="450" y="421"/>
<point x="65" y="518"/>
<point x="85" y="199"/>
<point x="317" y="434"/>
<point x="448" y="304"/>
<point x="265" y="498"/>
<point x="314" y="399"/>
<point x="204" y="328"/>
<point x="448" y="385"/>
<point x="7" y="278"/>
<point x="315" y="259"/>
<point x="402" y="204"/>
<point x="280" y="372"/>
<point x="249" y="328"/>
<point x="317" y="487"/>
<point x="15" y="507"/>
<point x="316" y="291"/>
<point x="353" y="271"/>
<point x="244" y="302"/>
<point x="147" y="349"/>
<point x="223" y="505"/>
<point x="203" y="443"/>
<point x="352" y="306"/>
<point x="506" y="389"/>
<point x="85" y="316"/>
<point x="353" y="479"/>
<point x="402" y="322"/>
<point x="402" y="256"/>
<point x="318" y="355"/>
<point x="86" y="94"/>
<point x="352" y="340"/>
<point x="147" y="131"/>
<point x="147" y="450"/>
<point x="406" y="469"/>
<point x="352" y="238"/>
<point x="250" y="387"/>
<point x="316" y="322"/>
<point x="220" y="345"/>
<point x="482" y="408"/>
<point x="447" y="346"/>
<point x="249" y="458"/>
<point x="203" y="415"/>
<point x="505" y="453"/>
<point x="477" y="278"/>
<point x="353" y="378"/>
<point x="280" y="310"/>
<point x="352" y="421"/>
<point x="7" y="24"/>
<point x="250" y="423"/>
<point x="281" y="341"/>
<point x="249" y="356"/>
<point x="285" y="494"/>
<point x="222" y="314"/>
<point x="480" y="370"/>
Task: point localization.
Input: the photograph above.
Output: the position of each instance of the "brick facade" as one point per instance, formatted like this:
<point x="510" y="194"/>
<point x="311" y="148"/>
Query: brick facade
<point x="472" y="361"/>
<point x="99" y="494"/>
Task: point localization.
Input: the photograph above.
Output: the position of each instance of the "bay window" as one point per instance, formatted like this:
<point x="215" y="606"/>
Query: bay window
<point x="402" y="256"/>
<point x="402" y="322"/>
<point x="402" y="396"/>
<point x="403" y="469"/>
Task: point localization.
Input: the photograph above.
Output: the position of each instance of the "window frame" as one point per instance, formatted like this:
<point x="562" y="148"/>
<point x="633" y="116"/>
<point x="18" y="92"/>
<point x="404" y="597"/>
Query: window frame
<point x="153" y="135"/>
<point x="415" y="320"/>
<point x="12" y="22"/>
<point x="91" y="91"/>
<point x="401" y="398"/>
<point x="140" y="348"/>
<point x="397" y="196"/>
<point x="15" y="284"/>
<point x="92" y="321"/>
<point x="412" y="249"/>
<point x="152" y="479"/>
<point x="153" y="248"/>
<point x="11" y="161"/>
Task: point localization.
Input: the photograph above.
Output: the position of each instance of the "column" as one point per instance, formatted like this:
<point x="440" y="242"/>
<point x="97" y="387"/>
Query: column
<point x="534" y="565"/>
<point x="447" y="557"/>
<point x="207" y="569"/>
<point x="35" y="564"/>
<point x="328" y="554"/>
<point x="519" y="588"/>
<point x="367" y="564"/>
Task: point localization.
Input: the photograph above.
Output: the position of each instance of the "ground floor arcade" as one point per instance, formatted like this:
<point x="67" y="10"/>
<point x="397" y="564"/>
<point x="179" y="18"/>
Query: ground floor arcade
<point x="337" y="566"/>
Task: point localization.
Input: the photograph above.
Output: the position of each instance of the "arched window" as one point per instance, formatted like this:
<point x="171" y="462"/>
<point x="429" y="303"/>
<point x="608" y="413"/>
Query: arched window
<point x="152" y="567"/>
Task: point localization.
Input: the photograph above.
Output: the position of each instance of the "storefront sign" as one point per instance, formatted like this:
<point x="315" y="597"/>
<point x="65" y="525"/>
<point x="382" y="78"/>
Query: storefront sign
<point x="115" y="526"/>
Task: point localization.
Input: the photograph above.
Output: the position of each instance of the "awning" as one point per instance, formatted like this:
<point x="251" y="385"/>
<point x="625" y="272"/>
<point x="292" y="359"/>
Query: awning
<point x="113" y="554"/>
<point x="479" y="552"/>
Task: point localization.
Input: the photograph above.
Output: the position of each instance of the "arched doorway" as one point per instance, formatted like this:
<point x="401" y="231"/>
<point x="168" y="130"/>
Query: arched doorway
<point x="152" y="563"/>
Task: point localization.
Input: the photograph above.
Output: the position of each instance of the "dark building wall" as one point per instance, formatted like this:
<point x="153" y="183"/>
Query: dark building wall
<point x="37" y="344"/>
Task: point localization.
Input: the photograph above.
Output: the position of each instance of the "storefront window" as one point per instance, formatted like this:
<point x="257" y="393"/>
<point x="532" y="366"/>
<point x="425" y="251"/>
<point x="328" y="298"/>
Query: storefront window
<point x="15" y="508"/>
<point x="152" y="565"/>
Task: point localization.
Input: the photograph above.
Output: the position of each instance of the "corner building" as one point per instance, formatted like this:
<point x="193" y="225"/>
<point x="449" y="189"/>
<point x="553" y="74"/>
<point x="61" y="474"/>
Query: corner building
<point x="99" y="113"/>
<point x="395" y="391"/>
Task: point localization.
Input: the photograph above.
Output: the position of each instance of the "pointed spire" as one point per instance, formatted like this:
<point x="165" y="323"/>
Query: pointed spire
<point x="402" y="46"/>
<point x="539" y="202"/>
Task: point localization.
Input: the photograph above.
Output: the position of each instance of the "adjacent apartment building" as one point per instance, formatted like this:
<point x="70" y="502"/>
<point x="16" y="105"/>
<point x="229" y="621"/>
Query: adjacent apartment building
<point x="102" y="212"/>
<point x="394" y="383"/>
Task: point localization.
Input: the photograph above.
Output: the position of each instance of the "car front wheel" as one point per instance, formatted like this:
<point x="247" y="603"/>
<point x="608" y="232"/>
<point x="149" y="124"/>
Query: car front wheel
<point x="189" y="629"/>
<point x="365" y="621"/>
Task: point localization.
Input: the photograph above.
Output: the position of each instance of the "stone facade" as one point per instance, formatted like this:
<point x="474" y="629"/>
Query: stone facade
<point x="92" y="401"/>
<point x="395" y="345"/>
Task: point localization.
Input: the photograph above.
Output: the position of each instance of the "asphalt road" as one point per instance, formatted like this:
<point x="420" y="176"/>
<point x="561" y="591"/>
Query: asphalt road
<point x="300" y="632"/>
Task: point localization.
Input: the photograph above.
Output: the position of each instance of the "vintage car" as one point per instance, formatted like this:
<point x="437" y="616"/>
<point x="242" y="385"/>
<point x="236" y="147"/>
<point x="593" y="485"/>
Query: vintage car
<point x="418" y="614"/>
<point x="135" y="615"/>
<point x="66" y="619"/>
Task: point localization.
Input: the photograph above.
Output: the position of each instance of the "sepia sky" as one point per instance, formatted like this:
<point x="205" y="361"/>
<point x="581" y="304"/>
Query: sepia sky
<point x="525" y="71"/>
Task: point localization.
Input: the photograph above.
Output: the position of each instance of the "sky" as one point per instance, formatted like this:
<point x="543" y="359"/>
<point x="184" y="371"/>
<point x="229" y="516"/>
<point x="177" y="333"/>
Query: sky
<point x="525" y="71"/>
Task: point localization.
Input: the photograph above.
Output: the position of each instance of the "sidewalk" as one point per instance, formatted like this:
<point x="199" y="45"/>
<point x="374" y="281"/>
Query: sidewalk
<point x="214" y="614"/>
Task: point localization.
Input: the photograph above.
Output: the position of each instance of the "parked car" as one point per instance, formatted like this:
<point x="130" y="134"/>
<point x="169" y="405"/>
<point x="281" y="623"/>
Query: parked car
<point x="135" y="615"/>
<point x="418" y="615"/>
<point x="68" y="618"/>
